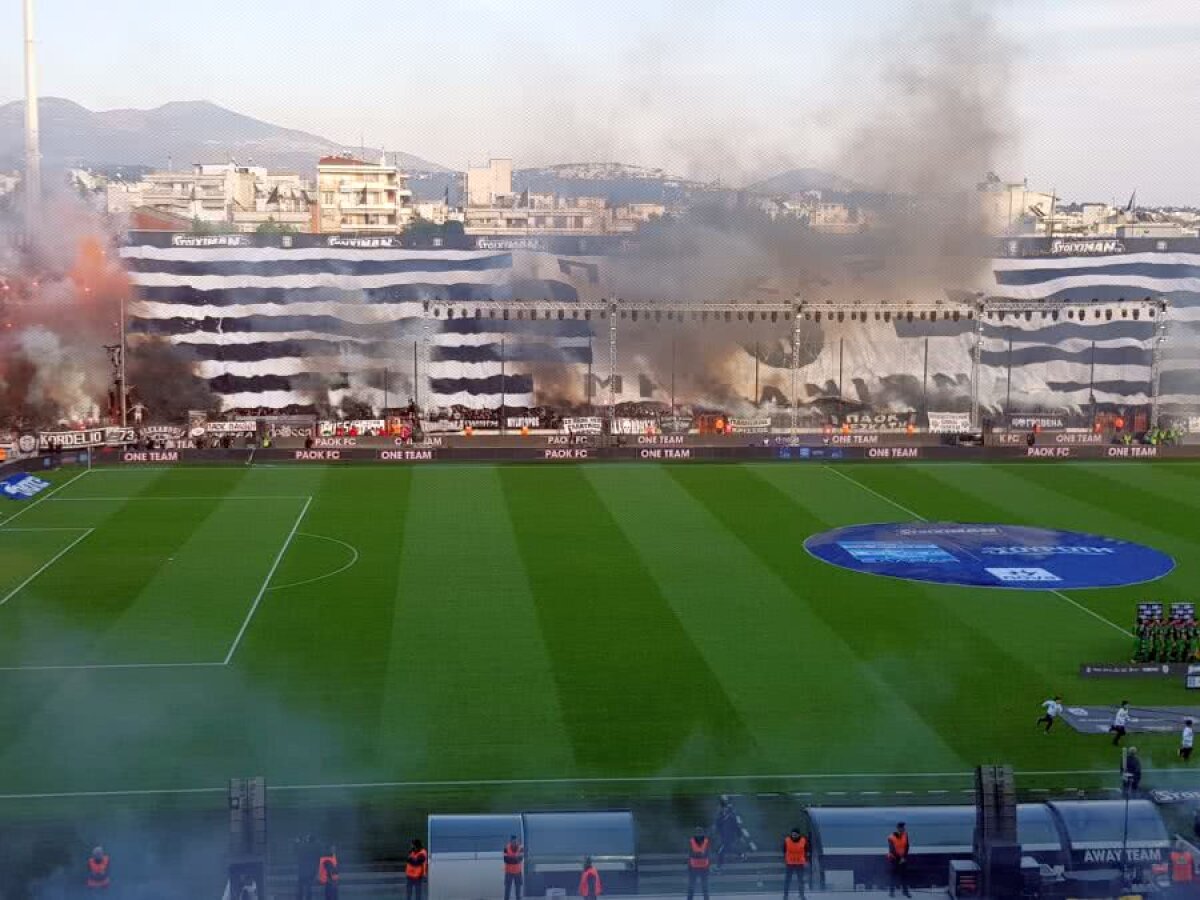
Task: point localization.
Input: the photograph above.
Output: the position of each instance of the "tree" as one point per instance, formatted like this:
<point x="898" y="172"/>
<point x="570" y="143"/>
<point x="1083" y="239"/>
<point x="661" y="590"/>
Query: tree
<point x="272" y="227"/>
<point x="201" y="227"/>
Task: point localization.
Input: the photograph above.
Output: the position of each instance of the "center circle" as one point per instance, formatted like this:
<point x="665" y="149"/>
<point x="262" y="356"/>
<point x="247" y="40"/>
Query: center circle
<point x="985" y="555"/>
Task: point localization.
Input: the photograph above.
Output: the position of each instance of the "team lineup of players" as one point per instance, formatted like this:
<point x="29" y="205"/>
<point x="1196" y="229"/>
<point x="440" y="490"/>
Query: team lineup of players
<point x="1166" y="637"/>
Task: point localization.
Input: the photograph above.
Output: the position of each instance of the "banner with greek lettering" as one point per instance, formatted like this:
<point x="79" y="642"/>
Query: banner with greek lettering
<point x="949" y="422"/>
<point x="114" y="436"/>
<point x="750" y="426"/>
<point x="583" y="425"/>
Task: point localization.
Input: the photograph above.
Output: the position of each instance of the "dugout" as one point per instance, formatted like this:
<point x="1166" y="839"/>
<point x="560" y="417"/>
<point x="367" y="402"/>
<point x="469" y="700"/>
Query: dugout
<point x="466" y="855"/>
<point x="854" y="840"/>
<point x="557" y="842"/>
<point x="1094" y="831"/>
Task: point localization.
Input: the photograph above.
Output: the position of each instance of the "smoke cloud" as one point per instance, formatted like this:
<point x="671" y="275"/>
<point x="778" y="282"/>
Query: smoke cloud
<point x="65" y="285"/>
<point x="931" y="115"/>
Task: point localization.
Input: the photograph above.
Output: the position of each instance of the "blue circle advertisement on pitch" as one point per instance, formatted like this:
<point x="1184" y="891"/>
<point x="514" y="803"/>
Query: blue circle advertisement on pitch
<point x="983" y="555"/>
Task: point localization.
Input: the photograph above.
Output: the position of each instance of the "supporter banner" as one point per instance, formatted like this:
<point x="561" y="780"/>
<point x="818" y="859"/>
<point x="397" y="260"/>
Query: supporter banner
<point x="89" y="437"/>
<point x="626" y="425"/>
<point x="237" y="426"/>
<point x="750" y="426"/>
<point x="362" y="426"/>
<point x="583" y="425"/>
<point x="888" y="421"/>
<point x="163" y="432"/>
<point x="22" y="486"/>
<point x="949" y="422"/>
<point x="288" y="430"/>
<point x="1043" y="421"/>
<point x="1193" y="424"/>
<point x="516" y="423"/>
<point x="675" y="424"/>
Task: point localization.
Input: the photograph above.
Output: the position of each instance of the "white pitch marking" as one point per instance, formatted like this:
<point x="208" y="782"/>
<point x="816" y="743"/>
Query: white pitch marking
<point x="1095" y="615"/>
<point x="43" y="499"/>
<point x="871" y="490"/>
<point x="57" y="528"/>
<point x="262" y="590"/>
<point x="1056" y="593"/>
<point x="321" y="537"/>
<point x="216" y="498"/>
<point x="20" y="587"/>
<point x="97" y="666"/>
<point x="509" y="782"/>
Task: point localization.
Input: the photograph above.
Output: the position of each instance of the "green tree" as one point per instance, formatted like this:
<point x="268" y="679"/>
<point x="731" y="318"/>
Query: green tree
<point x="272" y="227"/>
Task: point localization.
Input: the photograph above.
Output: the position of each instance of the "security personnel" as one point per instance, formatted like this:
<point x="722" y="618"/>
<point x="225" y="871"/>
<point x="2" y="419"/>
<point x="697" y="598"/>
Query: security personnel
<point x="795" y="860"/>
<point x="897" y="855"/>
<point x="1183" y="868"/>
<point x="416" y="870"/>
<point x="98" y="878"/>
<point x="327" y="873"/>
<point x="589" y="882"/>
<point x="699" y="859"/>
<point x="514" y="870"/>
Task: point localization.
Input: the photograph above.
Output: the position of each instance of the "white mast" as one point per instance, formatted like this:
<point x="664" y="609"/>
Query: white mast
<point x="33" y="156"/>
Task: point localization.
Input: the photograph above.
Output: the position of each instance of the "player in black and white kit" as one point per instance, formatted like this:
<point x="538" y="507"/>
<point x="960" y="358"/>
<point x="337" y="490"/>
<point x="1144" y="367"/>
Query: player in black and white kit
<point x="1053" y="708"/>
<point x="1186" y="739"/>
<point x="1120" y="720"/>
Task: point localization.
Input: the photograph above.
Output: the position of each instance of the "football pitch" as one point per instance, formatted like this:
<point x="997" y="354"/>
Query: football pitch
<point x="652" y="628"/>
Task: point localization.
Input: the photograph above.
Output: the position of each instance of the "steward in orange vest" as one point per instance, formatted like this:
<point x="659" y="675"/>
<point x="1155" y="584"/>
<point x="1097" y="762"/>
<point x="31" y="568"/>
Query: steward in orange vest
<point x="897" y="855"/>
<point x="699" y="848"/>
<point x="795" y="861"/>
<point x="514" y="872"/>
<point x="1183" y="869"/>
<point x="327" y="874"/>
<point x="589" y="881"/>
<point x="97" y="874"/>
<point x="416" y="870"/>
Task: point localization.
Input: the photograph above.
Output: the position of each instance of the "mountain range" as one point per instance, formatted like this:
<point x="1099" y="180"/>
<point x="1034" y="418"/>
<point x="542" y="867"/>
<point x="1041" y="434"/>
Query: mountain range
<point x="178" y="133"/>
<point x="196" y="131"/>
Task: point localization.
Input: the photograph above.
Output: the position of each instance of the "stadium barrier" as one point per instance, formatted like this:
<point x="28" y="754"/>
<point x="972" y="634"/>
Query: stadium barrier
<point x="642" y="453"/>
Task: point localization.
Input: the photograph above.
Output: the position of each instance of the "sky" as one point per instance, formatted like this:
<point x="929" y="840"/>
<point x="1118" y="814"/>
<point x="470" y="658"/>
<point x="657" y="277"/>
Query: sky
<point x="1090" y="98"/>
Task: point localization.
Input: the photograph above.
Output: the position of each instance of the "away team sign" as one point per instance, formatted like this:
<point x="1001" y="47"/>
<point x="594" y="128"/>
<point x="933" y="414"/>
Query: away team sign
<point x="1003" y="556"/>
<point x="22" y="486"/>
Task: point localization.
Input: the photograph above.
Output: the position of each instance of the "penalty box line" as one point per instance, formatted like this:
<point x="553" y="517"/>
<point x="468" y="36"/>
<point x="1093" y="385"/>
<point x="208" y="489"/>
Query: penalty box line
<point x="55" y="558"/>
<point x="42" y="499"/>
<point x="267" y="581"/>
<point x="1091" y="612"/>
<point x="182" y="665"/>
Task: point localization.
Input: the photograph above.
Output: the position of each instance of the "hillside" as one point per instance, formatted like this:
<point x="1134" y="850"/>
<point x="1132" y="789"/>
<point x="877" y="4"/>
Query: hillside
<point x="181" y="132"/>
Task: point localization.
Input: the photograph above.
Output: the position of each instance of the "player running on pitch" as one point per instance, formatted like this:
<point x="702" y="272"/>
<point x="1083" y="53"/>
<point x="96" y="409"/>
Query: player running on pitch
<point x="1186" y="739"/>
<point x="1053" y="708"/>
<point x="1119" y="723"/>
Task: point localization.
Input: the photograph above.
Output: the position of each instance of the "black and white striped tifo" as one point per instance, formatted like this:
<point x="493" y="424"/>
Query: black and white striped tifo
<point x="274" y="326"/>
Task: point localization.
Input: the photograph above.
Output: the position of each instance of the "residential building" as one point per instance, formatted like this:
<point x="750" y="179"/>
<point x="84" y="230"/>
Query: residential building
<point x="1008" y="207"/>
<point x="357" y="196"/>
<point x="487" y="185"/>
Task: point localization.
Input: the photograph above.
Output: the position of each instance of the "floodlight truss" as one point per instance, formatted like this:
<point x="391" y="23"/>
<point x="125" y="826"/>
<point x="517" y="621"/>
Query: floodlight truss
<point x="978" y="309"/>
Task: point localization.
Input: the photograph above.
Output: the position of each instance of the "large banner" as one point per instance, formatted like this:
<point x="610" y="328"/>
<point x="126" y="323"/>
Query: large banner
<point x="1037" y="421"/>
<point x="949" y="422"/>
<point x="113" y="436"/>
<point x="583" y="425"/>
<point x="886" y="421"/>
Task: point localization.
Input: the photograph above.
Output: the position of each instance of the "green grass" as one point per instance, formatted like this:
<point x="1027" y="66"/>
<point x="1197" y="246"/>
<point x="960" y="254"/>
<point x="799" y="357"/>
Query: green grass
<point x="542" y="623"/>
